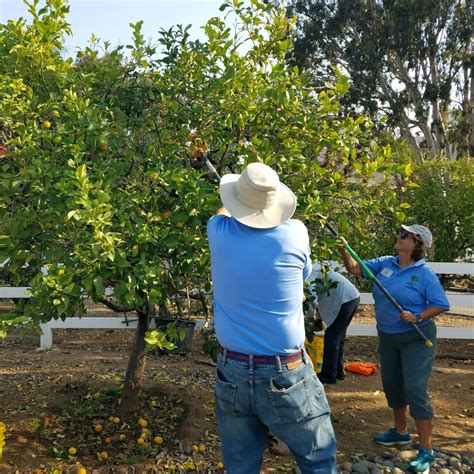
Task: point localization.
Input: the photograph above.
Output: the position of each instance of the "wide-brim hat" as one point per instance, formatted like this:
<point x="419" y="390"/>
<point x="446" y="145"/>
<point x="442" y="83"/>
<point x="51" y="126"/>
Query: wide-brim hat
<point x="256" y="197"/>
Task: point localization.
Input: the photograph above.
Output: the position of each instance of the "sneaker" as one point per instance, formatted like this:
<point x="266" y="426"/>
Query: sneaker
<point x="392" y="437"/>
<point x="326" y="380"/>
<point x="423" y="461"/>
<point x="341" y="374"/>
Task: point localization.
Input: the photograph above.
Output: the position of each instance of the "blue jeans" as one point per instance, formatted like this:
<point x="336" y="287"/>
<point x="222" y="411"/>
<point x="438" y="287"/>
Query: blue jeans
<point x="252" y="399"/>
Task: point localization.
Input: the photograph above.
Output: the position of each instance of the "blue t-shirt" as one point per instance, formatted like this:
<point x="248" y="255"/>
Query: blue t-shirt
<point x="329" y="302"/>
<point x="415" y="288"/>
<point x="257" y="277"/>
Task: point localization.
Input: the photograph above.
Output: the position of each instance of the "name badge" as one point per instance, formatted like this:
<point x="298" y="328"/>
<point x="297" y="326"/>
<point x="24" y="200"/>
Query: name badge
<point x="386" y="272"/>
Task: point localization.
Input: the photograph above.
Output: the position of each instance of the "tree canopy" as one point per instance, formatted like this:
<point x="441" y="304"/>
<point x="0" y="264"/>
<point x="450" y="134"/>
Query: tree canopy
<point x="409" y="61"/>
<point x="102" y="181"/>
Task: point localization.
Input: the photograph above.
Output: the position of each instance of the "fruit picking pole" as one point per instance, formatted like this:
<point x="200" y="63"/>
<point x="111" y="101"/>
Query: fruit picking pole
<point x="210" y="166"/>
<point x="372" y="277"/>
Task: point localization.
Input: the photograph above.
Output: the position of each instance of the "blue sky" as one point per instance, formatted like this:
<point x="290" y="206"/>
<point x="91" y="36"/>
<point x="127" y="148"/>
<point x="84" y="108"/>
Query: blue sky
<point x="109" y="19"/>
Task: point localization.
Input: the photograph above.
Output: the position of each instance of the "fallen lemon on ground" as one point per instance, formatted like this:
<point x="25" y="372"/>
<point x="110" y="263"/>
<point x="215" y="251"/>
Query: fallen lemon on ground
<point x="72" y="451"/>
<point x="220" y="465"/>
<point x="195" y="448"/>
<point x="116" y="420"/>
<point x="202" y="448"/>
<point x="81" y="470"/>
<point x="141" y="441"/>
<point x="104" y="455"/>
<point x="98" y="428"/>
<point x="108" y="440"/>
<point x="158" y="440"/>
<point x="143" y="423"/>
<point x="46" y="124"/>
<point x="122" y="437"/>
<point x="111" y="418"/>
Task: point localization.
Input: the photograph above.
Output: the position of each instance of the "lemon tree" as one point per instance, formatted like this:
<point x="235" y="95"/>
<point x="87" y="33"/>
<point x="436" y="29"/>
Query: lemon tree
<point x="102" y="181"/>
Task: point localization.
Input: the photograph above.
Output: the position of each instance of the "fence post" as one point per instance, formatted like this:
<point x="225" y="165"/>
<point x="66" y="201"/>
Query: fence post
<point x="46" y="338"/>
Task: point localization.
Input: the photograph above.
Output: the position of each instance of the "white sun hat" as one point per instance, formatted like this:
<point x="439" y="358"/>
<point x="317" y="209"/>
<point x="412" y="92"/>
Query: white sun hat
<point x="422" y="232"/>
<point x="256" y="197"/>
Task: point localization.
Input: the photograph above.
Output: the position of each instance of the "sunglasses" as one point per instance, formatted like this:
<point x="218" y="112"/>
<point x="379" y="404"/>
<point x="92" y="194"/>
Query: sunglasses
<point x="403" y="234"/>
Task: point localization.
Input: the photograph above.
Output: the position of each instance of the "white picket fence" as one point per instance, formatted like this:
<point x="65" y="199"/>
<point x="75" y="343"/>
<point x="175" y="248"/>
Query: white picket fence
<point x="90" y="322"/>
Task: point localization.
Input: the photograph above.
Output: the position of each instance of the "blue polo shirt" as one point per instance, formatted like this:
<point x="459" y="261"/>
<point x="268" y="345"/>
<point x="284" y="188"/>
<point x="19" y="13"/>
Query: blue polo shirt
<point x="257" y="277"/>
<point x="415" y="288"/>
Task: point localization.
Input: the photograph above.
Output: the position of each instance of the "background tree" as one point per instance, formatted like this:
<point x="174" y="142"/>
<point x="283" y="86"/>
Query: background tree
<point x="444" y="200"/>
<point x="409" y="61"/>
<point x="102" y="181"/>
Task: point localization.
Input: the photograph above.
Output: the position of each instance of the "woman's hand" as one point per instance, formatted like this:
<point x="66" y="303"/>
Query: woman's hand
<point x="407" y="317"/>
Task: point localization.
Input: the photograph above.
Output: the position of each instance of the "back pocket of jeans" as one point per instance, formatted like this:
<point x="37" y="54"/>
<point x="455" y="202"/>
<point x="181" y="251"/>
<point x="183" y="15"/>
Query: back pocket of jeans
<point x="294" y="400"/>
<point x="225" y="394"/>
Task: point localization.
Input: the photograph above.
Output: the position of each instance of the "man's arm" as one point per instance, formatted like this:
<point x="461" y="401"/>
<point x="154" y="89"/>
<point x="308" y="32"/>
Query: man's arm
<point x="223" y="211"/>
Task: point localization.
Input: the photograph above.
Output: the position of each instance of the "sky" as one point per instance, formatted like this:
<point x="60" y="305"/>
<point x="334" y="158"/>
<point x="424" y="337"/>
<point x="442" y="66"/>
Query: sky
<point x="109" y="19"/>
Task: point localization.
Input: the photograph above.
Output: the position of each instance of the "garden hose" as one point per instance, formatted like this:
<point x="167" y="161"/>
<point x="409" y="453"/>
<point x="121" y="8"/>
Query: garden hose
<point x="372" y="277"/>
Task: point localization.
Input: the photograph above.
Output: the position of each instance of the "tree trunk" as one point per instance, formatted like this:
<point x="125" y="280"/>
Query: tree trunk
<point x="136" y="366"/>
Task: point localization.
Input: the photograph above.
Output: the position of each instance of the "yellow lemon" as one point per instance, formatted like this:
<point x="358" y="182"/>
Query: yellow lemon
<point x="202" y="448"/>
<point x="98" y="428"/>
<point x="46" y="124"/>
<point x="116" y="420"/>
<point x="122" y="437"/>
<point x="141" y="441"/>
<point x="143" y="423"/>
<point x="72" y="451"/>
<point x="108" y="440"/>
<point x="158" y="440"/>
<point x="195" y="448"/>
<point x="104" y="455"/>
<point x="111" y="418"/>
<point x="81" y="470"/>
<point x="220" y="465"/>
<point x="96" y="395"/>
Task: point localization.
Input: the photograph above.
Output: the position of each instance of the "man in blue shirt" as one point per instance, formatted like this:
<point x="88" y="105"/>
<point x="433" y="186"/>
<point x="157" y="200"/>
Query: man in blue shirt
<point x="265" y="380"/>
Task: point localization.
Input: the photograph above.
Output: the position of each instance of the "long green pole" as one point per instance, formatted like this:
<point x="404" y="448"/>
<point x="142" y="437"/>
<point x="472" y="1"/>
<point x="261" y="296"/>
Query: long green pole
<point x="377" y="282"/>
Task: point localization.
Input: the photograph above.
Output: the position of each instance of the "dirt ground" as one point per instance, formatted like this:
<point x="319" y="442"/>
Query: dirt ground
<point x="40" y="389"/>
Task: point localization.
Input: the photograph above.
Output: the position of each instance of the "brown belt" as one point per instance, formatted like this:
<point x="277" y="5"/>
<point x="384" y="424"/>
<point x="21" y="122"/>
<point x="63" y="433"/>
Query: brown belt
<point x="259" y="359"/>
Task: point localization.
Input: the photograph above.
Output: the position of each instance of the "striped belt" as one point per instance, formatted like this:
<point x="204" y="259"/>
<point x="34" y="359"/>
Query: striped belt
<point x="260" y="359"/>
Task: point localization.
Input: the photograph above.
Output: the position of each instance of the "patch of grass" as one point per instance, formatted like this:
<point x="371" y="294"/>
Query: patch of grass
<point x="77" y="410"/>
<point x="37" y="426"/>
<point x="112" y="392"/>
<point x="56" y="453"/>
<point x="133" y="459"/>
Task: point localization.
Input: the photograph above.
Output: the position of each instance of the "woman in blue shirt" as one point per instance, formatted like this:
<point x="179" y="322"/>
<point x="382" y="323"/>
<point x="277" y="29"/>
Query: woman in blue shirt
<point x="406" y="362"/>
